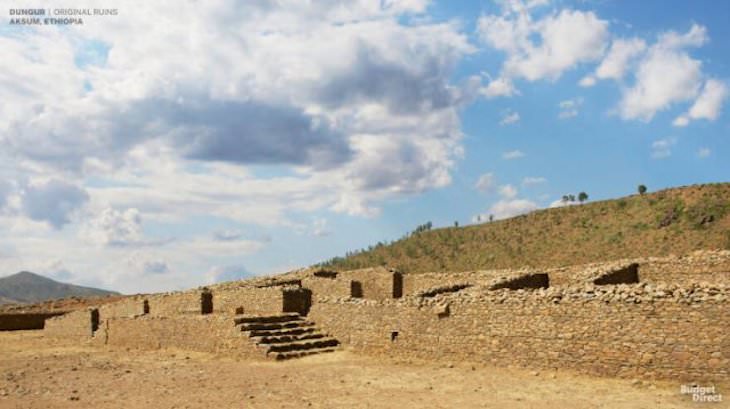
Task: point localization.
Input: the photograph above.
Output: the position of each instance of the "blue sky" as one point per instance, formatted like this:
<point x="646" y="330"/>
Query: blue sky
<point x="153" y="150"/>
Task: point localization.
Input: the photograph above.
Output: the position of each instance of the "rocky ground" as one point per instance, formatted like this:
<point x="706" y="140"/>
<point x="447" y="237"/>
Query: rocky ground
<point x="35" y="373"/>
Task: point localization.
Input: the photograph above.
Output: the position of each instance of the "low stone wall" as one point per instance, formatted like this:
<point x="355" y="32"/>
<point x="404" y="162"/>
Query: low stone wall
<point x="265" y="300"/>
<point x="328" y="287"/>
<point x="74" y="326"/>
<point x="377" y="283"/>
<point x="25" y="321"/>
<point x="205" y="333"/>
<point x="709" y="266"/>
<point x="128" y="307"/>
<point x="626" y="331"/>
<point x="176" y="303"/>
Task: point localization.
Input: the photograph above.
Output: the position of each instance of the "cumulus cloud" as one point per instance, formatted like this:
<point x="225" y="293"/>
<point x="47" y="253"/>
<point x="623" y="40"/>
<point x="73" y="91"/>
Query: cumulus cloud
<point x="486" y="182"/>
<point x="532" y="181"/>
<point x="569" y="108"/>
<point x="5" y="189"/>
<point x="665" y="75"/>
<point x="515" y="154"/>
<point x="53" y="201"/>
<point x="704" y="152"/>
<point x="544" y="48"/>
<point x="507" y="208"/>
<point x="500" y="87"/>
<point x="509" y="117"/>
<point x="112" y="227"/>
<point x="662" y="148"/>
<point x="508" y="191"/>
<point x="617" y="61"/>
<point x="707" y="105"/>
<point x="562" y="202"/>
<point x="220" y="274"/>
<point x="333" y="89"/>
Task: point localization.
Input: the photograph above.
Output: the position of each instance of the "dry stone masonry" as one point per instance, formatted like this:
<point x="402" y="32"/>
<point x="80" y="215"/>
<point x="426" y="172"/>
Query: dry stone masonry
<point x="641" y="318"/>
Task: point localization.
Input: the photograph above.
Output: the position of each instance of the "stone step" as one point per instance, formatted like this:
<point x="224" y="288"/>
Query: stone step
<point x="281" y="356"/>
<point x="301" y="345"/>
<point x="254" y="326"/>
<point x="286" y="331"/>
<point x="278" y="339"/>
<point x="268" y="319"/>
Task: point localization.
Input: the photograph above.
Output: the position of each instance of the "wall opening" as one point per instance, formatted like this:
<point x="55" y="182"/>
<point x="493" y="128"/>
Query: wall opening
<point x="146" y="307"/>
<point x="325" y="274"/>
<point x="397" y="285"/>
<point x="206" y="302"/>
<point x="432" y="292"/>
<point x="297" y="300"/>
<point x="626" y="275"/>
<point x="239" y="310"/>
<point x="393" y="336"/>
<point x="94" y="320"/>
<point x="527" y="281"/>
<point x="355" y="289"/>
<point x="280" y="283"/>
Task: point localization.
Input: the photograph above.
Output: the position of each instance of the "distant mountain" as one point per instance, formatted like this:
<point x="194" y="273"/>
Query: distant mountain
<point x="26" y="287"/>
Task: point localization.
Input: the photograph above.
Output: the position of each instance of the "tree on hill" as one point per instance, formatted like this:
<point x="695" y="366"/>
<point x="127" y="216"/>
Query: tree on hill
<point x="582" y="197"/>
<point x="641" y="189"/>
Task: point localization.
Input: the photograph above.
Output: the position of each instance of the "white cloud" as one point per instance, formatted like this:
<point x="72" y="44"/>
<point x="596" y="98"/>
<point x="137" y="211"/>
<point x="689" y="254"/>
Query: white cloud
<point x="515" y="154"/>
<point x="507" y="208"/>
<point x="708" y="104"/>
<point x="115" y="228"/>
<point x="486" y="182"/>
<point x="569" y="108"/>
<point x="501" y="87"/>
<point x="680" y="121"/>
<point x="562" y="202"/>
<point x="219" y="274"/>
<point x="665" y="75"/>
<point x="619" y="57"/>
<point x="532" y="181"/>
<point x="352" y="102"/>
<point x="508" y="191"/>
<point x="704" y="152"/>
<point x="587" y="81"/>
<point x="509" y="117"/>
<point x="566" y="39"/>
<point x="662" y="148"/>
<point x="320" y="228"/>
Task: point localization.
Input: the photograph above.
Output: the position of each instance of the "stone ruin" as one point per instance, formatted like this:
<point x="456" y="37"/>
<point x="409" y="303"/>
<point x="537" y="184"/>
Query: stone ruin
<point x="630" y="318"/>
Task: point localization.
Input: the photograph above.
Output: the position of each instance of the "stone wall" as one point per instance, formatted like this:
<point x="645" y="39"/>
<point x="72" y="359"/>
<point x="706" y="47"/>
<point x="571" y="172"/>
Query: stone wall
<point x="328" y="287"/>
<point x="703" y="265"/>
<point x="377" y="283"/>
<point x="74" y="326"/>
<point x="677" y="333"/>
<point x="25" y="321"/>
<point x="175" y="303"/>
<point x="266" y="300"/>
<point x="205" y="333"/>
<point x="128" y="307"/>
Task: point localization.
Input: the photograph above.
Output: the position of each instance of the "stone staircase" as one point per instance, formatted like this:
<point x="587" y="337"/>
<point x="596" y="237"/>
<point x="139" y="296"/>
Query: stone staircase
<point x="285" y="336"/>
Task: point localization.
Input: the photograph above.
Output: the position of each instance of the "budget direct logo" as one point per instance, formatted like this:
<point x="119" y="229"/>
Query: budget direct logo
<point x="701" y="393"/>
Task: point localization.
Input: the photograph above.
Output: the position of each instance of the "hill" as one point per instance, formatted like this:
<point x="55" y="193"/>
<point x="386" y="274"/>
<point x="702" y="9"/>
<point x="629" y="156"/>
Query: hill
<point x="27" y="287"/>
<point x="672" y="221"/>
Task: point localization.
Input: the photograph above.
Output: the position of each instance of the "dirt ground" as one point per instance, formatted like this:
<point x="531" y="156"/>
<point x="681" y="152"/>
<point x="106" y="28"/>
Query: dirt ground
<point x="35" y="373"/>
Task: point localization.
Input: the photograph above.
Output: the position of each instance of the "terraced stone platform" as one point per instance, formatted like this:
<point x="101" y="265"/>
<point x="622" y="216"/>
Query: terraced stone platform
<point x="286" y="336"/>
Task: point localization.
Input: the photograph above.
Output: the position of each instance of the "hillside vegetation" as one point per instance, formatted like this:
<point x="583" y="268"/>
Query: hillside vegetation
<point x="672" y="221"/>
